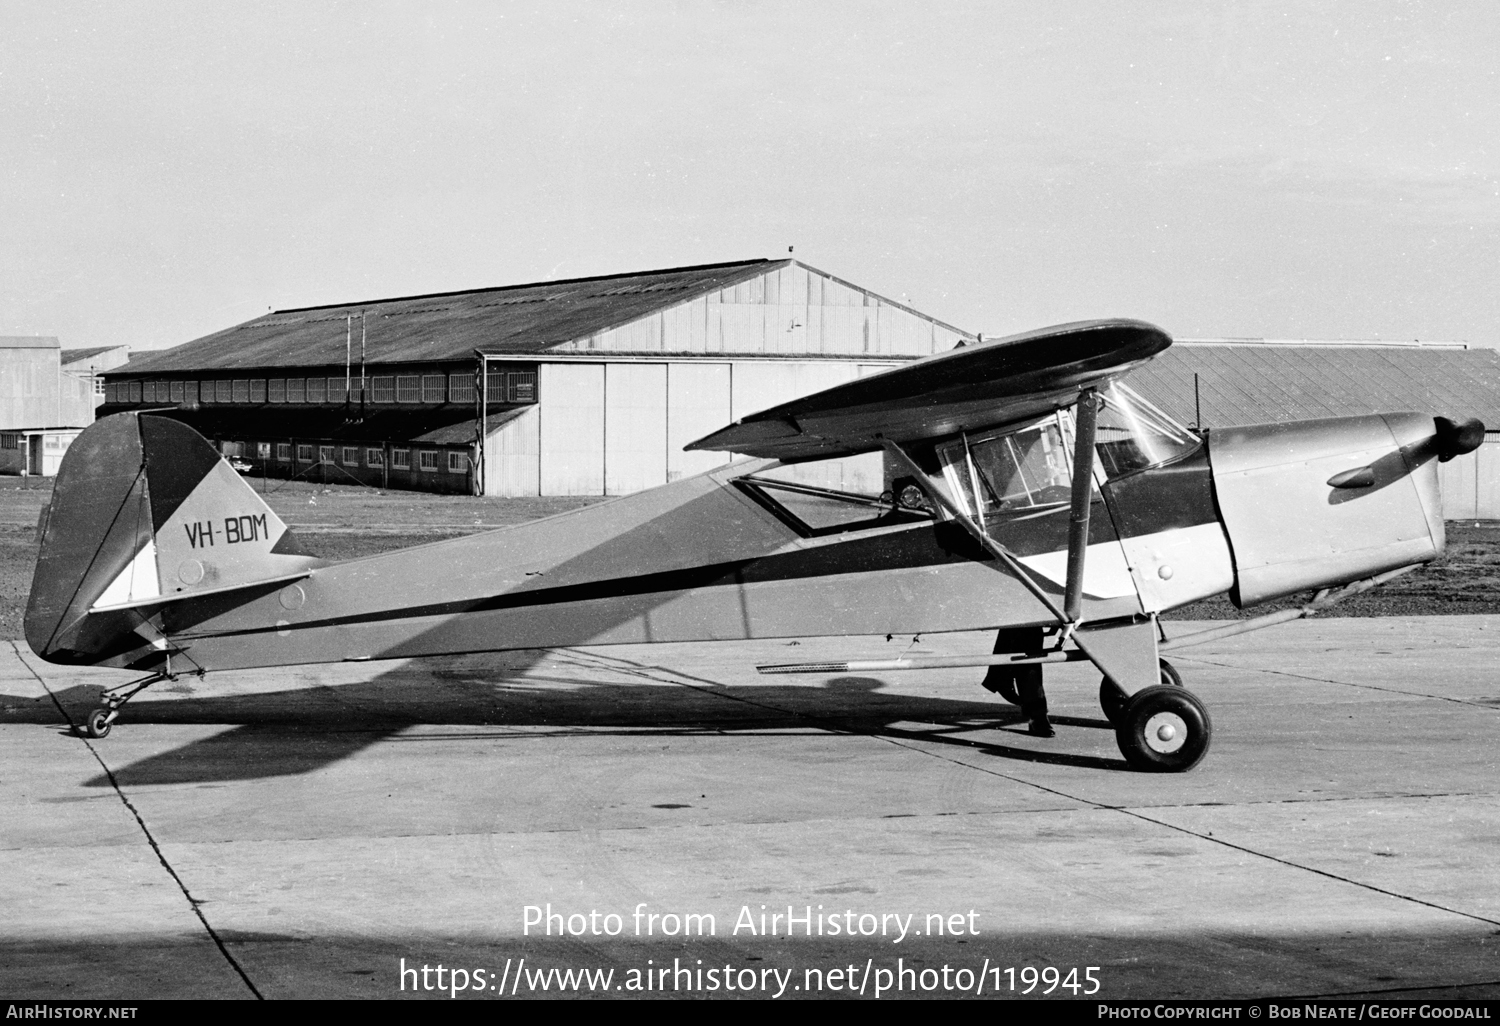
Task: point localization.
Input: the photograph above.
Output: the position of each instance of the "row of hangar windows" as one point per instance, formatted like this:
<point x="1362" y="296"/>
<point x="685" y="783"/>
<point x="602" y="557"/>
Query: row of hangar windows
<point x="505" y="387"/>
<point x="430" y="460"/>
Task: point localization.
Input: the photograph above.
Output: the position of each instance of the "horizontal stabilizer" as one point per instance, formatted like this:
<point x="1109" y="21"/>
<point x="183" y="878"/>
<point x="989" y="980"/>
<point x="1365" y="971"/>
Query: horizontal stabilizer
<point x="965" y="389"/>
<point x="157" y="600"/>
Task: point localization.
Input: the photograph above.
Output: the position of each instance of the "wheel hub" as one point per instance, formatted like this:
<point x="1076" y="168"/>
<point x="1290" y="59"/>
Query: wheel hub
<point x="1165" y="732"/>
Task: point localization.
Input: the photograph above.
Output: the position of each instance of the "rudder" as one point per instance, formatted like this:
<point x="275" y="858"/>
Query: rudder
<point x="145" y="512"/>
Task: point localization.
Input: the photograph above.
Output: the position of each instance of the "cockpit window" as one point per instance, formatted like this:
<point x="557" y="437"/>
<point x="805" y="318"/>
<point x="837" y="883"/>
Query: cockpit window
<point x="836" y="496"/>
<point x="1131" y="434"/>
<point x="991" y="473"/>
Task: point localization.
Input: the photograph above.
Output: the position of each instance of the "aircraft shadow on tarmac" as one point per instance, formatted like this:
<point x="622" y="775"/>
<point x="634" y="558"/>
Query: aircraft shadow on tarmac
<point x="285" y="733"/>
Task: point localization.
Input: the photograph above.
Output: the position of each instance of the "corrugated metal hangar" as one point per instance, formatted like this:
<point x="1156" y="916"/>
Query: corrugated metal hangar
<point x="592" y="386"/>
<point x="583" y="387"/>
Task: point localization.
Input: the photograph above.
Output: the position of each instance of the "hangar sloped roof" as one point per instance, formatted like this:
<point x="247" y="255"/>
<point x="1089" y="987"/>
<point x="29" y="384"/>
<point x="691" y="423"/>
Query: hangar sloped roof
<point x="511" y="320"/>
<point x="1254" y="384"/>
<point x="79" y="355"/>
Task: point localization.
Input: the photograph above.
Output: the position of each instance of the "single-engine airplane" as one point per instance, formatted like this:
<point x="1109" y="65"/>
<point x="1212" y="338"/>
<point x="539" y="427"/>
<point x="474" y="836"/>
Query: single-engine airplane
<point x="1019" y="486"/>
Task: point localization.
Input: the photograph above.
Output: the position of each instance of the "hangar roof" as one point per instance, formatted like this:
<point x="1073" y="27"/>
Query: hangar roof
<point x="1256" y="384"/>
<point x="70" y="356"/>
<point x="512" y="320"/>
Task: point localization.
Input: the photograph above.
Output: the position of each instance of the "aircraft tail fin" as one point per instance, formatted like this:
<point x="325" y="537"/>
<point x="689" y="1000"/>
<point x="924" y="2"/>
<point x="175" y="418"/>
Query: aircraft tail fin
<point x="145" y="512"/>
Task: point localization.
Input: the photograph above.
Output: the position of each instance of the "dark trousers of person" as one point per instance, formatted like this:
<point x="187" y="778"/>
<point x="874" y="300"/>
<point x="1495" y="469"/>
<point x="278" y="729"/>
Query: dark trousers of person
<point x="1026" y="678"/>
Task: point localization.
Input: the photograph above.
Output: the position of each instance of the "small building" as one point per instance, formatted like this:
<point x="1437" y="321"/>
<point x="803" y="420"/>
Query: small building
<point x="1220" y="383"/>
<point x="42" y="407"/>
<point x="581" y="387"/>
<point x="35" y="451"/>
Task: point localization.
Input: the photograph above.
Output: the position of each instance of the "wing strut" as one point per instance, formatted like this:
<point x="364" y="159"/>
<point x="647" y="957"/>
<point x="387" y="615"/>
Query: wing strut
<point x="1078" y="520"/>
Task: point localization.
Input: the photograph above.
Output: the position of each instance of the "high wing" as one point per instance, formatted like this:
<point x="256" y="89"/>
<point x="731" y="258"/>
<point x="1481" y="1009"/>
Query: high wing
<point x="966" y="389"/>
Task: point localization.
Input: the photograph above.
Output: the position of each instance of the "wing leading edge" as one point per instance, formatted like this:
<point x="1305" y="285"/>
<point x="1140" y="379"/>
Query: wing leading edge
<point x="964" y="389"/>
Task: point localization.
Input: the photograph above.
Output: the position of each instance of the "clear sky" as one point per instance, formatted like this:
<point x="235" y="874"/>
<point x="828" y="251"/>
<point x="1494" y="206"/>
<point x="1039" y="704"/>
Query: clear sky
<point x="1295" y="169"/>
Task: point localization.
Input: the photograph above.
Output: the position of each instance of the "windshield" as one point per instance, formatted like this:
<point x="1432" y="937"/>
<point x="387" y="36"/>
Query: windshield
<point x="1132" y="434"/>
<point x="1030" y="468"/>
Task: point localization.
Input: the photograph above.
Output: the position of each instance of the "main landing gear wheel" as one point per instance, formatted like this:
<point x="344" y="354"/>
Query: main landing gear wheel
<point x="1112" y="700"/>
<point x="1163" y="729"/>
<point x="98" y="723"/>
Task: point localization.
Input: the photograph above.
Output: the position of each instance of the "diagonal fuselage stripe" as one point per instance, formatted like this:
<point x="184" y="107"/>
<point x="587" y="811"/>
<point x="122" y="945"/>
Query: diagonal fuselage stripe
<point x="919" y="547"/>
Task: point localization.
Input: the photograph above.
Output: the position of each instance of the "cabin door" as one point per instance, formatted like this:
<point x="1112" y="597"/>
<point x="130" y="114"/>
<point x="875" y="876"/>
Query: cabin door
<point x="1017" y="485"/>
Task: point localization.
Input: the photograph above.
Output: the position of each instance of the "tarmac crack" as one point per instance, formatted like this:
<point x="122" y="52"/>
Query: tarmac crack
<point x="1347" y="684"/>
<point x="1309" y="869"/>
<point x="161" y="857"/>
<point x="911" y="745"/>
<point x="1202" y="836"/>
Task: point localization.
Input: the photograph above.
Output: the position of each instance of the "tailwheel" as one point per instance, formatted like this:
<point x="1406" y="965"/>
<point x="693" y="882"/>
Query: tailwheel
<point x="1163" y="729"/>
<point x="1112" y="700"/>
<point x="101" y="719"/>
<point x="98" y="723"/>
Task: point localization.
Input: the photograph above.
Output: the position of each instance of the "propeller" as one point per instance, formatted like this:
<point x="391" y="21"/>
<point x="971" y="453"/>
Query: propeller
<point x="1455" y="438"/>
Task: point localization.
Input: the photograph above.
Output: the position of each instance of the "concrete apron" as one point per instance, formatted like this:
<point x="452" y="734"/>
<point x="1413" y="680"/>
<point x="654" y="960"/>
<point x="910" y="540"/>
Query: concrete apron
<point x="301" y="832"/>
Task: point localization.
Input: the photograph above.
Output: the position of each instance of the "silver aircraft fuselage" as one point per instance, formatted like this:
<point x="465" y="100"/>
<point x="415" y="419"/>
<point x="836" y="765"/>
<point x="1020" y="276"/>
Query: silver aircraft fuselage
<point x="709" y="558"/>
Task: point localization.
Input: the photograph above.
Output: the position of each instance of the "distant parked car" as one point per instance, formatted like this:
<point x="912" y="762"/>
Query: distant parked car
<point x="243" y="466"/>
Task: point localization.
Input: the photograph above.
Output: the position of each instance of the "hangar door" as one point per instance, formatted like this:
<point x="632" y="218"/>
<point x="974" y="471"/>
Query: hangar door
<point x="571" y="428"/>
<point x="610" y="429"/>
<point x="619" y="427"/>
<point x="1471" y="483"/>
<point x="635" y="427"/>
<point x="697" y="405"/>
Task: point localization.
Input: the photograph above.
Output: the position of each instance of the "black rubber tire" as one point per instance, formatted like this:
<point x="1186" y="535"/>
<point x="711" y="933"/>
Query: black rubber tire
<point x="98" y="724"/>
<point x="1112" y="699"/>
<point x="1170" y="675"/>
<point x="1140" y="729"/>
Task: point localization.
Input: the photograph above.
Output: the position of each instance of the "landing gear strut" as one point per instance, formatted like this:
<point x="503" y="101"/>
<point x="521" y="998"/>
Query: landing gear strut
<point x="1161" y="728"/>
<point x="101" y="719"/>
<point x="1113" y="701"/>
